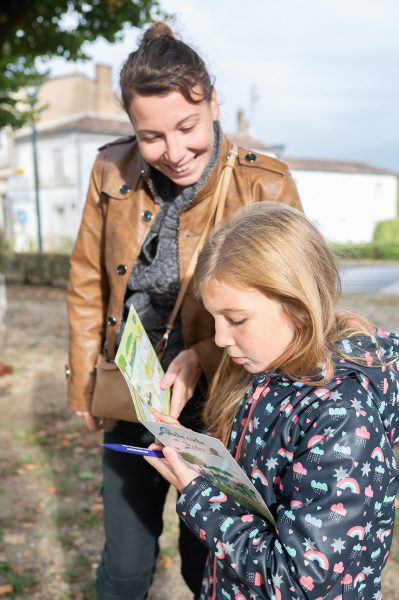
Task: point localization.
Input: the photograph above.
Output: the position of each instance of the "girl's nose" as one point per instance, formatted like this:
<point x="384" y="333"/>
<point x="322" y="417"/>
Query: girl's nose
<point x="222" y="337"/>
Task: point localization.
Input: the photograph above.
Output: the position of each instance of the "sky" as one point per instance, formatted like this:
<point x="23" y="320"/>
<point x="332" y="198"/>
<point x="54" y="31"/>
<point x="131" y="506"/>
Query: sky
<point x="319" y="77"/>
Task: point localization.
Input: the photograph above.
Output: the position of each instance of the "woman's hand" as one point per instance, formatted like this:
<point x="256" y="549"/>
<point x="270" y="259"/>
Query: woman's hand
<point x="163" y="418"/>
<point x="92" y="423"/>
<point x="183" y="374"/>
<point x="172" y="468"/>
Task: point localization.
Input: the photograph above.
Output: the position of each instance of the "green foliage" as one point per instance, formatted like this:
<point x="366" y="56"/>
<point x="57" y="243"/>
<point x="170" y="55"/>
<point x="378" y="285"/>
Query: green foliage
<point x="387" y="232"/>
<point x="32" y="29"/>
<point x="353" y="251"/>
<point x="20" y="582"/>
<point x="387" y="251"/>
<point x="87" y="520"/>
<point x="35" y="268"/>
<point x="61" y="245"/>
<point x="370" y="251"/>
<point x="5" y="245"/>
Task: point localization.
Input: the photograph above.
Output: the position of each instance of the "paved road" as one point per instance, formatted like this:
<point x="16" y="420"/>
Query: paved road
<point x="376" y="278"/>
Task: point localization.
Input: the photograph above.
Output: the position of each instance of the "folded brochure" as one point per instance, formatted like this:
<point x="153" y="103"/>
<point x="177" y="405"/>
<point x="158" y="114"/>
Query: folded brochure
<point x="142" y="371"/>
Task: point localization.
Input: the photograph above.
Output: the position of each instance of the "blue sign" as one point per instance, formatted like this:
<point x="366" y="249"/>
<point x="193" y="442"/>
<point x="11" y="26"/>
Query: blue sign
<point x="22" y="216"/>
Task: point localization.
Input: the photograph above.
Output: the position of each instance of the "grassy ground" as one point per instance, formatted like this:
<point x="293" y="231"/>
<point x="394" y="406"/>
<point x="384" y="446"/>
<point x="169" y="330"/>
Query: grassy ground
<point x="50" y="508"/>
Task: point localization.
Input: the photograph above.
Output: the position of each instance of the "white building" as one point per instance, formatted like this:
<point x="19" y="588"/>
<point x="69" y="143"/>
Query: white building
<point x="66" y="152"/>
<point x="6" y="170"/>
<point x="79" y="115"/>
<point x="345" y="200"/>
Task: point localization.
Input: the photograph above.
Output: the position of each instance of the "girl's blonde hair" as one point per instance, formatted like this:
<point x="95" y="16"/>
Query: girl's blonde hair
<point x="274" y="249"/>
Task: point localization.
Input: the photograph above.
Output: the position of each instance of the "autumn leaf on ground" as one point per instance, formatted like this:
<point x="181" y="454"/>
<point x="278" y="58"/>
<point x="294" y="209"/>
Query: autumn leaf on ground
<point x="6" y="589"/>
<point x="165" y="562"/>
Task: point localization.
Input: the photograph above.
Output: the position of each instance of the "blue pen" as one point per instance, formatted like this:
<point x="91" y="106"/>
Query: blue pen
<point x="134" y="450"/>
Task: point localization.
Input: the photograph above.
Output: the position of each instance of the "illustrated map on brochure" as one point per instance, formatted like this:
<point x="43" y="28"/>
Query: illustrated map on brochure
<point x="142" y="371"/>
<point x="212" y="460"/>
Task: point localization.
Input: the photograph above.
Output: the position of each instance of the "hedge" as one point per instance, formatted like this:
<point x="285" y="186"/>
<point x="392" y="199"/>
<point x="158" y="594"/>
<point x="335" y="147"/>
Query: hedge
<point x="53" y="269"/>
<point x="371" y="250"/>
<point x="387" y="232"/>
<point x="35" y="268"/>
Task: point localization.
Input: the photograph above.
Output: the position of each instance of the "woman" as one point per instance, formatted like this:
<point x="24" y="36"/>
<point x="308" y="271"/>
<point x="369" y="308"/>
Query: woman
<point x="148" y="203"/>
<point x="307" y="405"/>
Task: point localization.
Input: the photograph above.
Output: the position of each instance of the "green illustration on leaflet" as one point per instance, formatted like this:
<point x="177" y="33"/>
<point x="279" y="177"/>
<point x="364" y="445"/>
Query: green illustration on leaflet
<point x="141" y="369"/>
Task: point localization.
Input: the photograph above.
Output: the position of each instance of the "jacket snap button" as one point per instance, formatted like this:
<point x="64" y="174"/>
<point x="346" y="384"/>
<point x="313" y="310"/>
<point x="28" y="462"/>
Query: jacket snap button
<point x="111" y="321"/>
<point x="125" y="188"/>
<point x="146" y="215"/>
<point x="121" y="269"/>
<point x="250" y="157"/>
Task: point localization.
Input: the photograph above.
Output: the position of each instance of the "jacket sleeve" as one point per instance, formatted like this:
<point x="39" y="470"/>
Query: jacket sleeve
<point x="288" y="193"/>
<point x="273" y="181"/>
<point x="87" y="297"/>
<point x="324" y="519"/>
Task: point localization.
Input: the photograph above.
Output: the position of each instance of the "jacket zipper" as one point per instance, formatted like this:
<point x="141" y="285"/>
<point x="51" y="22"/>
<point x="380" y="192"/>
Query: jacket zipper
<point x="236" y="457"/>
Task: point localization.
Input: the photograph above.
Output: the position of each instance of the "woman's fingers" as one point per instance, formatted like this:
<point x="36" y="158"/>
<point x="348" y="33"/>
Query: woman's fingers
<point x="92" y="423"/>
<point x="183" y="374"/>
<point x="168" y="419"/>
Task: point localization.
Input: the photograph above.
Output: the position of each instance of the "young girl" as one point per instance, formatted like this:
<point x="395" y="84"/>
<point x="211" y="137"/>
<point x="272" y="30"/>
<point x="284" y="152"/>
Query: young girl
<point x="307" y="405"/>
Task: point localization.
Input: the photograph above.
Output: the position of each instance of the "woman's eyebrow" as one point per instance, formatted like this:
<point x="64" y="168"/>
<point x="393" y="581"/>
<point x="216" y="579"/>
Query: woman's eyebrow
<point x="187" y="118"/>
<point x="178" y="124"/>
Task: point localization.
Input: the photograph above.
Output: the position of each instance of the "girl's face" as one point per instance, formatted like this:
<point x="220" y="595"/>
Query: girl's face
<point x="252" y="327"/>
<point x="175" y="136"/>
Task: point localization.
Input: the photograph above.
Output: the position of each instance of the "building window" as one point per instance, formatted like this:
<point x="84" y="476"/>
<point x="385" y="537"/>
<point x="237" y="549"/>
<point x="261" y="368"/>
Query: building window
<point x="58" y="157"/>
<point x="378" y="191"/>
<point x="3" y="148"/>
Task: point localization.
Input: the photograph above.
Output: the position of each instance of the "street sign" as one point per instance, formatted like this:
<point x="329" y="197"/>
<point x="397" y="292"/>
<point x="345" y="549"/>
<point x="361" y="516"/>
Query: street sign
<point x="18" y="191"/>
<point x="22" y="216"/>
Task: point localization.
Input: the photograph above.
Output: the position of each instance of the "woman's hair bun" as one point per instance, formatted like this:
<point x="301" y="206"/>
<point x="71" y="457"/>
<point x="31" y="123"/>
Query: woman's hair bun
<point x="162" y="64"/>
<point x="158" y="29"/>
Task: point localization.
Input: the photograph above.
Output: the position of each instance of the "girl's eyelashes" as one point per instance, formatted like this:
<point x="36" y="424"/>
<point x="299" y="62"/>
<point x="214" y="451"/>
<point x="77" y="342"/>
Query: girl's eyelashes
<point x="235" y="322"/>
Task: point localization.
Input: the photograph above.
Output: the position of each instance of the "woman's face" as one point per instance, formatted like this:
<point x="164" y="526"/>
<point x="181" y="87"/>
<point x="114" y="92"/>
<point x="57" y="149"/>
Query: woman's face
<point x="175" y="136"/>
<point x="252" y="327"/>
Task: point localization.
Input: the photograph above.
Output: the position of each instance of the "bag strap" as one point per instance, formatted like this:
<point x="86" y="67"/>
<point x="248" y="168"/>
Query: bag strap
<point x="216" y="210"/>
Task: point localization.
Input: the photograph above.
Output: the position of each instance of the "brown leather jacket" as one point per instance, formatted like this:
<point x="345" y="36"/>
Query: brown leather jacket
<point x="117" y="216"/>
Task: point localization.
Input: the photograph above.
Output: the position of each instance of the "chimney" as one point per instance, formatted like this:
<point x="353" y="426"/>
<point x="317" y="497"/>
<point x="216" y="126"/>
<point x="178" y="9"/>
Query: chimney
<point x="105" y="102"/>
<point x="242" y="123"/>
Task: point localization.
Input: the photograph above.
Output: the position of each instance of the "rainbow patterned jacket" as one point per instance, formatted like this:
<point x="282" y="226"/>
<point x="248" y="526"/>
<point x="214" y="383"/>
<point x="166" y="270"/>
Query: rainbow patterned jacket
<point x="322" y="460"/>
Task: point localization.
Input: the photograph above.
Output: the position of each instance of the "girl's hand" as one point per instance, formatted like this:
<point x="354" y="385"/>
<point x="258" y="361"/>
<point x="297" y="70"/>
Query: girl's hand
<point x="172" y="468"/>
<point x="183" y="374"/>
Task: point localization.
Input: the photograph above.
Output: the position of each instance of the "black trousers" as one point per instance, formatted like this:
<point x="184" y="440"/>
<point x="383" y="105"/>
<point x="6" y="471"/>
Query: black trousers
<point x="134" y="496"/>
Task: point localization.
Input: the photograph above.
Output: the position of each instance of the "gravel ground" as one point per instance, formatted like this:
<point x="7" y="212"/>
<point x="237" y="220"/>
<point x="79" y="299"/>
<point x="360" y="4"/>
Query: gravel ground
<point x="50" y="510"/>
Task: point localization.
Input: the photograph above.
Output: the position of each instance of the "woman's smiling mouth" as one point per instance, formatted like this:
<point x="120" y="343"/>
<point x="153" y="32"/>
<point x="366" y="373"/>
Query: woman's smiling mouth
<point x="182" y="169"/>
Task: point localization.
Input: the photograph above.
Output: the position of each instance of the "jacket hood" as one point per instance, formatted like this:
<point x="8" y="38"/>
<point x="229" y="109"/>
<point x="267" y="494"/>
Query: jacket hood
<point x="377" y="368"/>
